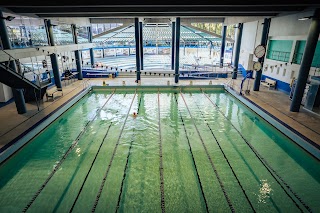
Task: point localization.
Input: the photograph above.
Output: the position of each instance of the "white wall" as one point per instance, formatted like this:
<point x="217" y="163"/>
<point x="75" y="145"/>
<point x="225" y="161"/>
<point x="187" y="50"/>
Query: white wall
<point x="281" y="28"/>
<point x="290" y="25"/>
<point x="5" y="93"/>
<point x="247" y="45"/>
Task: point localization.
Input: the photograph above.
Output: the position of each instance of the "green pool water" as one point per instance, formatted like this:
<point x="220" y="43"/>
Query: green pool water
<point x="184" y="152"/>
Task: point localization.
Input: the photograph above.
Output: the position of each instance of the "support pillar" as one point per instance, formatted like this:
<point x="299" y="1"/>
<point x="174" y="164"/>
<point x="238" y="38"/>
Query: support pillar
<point x="141" y="44"/>
<point x="173" y="44"/>
<point x="177" y="50"/>
<point x="137" y="39"/>
<point x="17" y="93"/>
<point x="77" y="52"/>
<point x="306" y="62"/>
<point x="237" y="51"/>
<point x="91" y="49"/>
<point x="53" y="56"/>
<point x="264" y="40"/>
<point x="223" y="44"/>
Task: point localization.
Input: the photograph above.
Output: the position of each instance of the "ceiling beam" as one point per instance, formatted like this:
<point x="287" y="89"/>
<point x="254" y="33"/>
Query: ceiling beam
<point x="155" y="9"/>
<point x="146" y="14"/>
<point x="242" y="19"/>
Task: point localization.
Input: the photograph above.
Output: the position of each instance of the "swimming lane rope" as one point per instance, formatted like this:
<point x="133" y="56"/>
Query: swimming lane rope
<point x="265" y="163"/>
<point x="127" y="161"/>
<point x="225" y="157"/>
<point x="211" y="162"/>
<point x="110" y="163"/>
<point x="75" y="142"/>
<point x="161" y="162"/>
<point x="85" y="179"/>
<point x="192" y="156"/>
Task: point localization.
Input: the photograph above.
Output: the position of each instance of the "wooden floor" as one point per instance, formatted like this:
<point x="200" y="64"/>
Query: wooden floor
<point x="275" y="102"/>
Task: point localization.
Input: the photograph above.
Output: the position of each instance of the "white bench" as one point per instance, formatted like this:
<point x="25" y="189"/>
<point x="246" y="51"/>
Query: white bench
<point x="52" y="91"/>
<point x="269" y="83"/>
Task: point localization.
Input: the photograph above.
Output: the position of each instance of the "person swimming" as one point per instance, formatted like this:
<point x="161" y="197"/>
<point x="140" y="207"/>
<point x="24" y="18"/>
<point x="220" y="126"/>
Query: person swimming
<point x="135" y="114"/>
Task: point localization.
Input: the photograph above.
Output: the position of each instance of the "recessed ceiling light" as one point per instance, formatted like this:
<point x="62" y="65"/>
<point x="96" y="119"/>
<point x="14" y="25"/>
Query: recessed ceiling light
<point x="305" y="18"/>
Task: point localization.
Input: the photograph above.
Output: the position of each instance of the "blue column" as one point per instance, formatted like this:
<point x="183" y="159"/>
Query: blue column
<point x="264" y="40"/>
<point x="141" y="44"/>
<point x="306" y="62"/>
<point x="91" y="49"/>
<point x="237" y="51"/>
<point x="173" y="43"/>
<point x="77" y="53"/>
<point x="177" y="50"/>
<point x="223" y="44"/>
<point x="137" y="39"/>
<point x="17" y="93"/>
<point x="53" y="56"/>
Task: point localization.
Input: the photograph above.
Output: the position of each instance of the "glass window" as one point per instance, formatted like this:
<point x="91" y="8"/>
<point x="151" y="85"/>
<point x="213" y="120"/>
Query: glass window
<point x="279" y="50"/>
<point x="62" y="34"/>
<point x="82" y="33"/>
<point x="26" y="31"/>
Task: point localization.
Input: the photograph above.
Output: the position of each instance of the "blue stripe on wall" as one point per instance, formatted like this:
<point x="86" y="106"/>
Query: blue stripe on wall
<point x="282" y="86"/>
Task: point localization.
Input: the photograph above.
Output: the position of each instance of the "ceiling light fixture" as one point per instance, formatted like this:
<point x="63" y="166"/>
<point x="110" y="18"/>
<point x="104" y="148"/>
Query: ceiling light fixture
<point x="305" y="18"/>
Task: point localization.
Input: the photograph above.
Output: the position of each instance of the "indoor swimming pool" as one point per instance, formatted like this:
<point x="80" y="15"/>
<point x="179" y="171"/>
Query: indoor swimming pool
<point x="189" y="151"/>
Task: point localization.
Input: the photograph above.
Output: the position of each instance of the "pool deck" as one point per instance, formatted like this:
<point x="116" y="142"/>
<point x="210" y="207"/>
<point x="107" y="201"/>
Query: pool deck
<point x="274" y="102"/>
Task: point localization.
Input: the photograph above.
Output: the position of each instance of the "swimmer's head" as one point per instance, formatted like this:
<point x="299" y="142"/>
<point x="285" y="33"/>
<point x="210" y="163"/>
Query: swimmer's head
<point x="134" y="113"/>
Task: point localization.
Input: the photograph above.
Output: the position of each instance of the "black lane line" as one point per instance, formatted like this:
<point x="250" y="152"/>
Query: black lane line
<point x="266" y="164"/>
<point x="139" y="103"/>
<point x="192" y="156"/>
<point x="126" y="166"/>
<point x="75" y="142"/>
<point x="125" y="171"/>
<point x="225" y="157"/>
<point x="85" y="179"/>
<point x="110" y="163"/>
<point x="163" y="209"/>
<point x="211" y="162"/>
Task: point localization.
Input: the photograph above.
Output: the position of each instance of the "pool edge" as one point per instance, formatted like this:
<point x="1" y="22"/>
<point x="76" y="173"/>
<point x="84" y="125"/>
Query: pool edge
<point x="308" y="145"/>
<point x="13" y="146"/>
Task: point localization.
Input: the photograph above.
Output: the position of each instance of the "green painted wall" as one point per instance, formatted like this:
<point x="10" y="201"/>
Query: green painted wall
<point x="279" y="50"/>
<point x="299" y="49"/>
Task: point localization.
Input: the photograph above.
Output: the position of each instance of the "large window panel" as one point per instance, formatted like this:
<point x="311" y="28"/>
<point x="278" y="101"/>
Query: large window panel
<point x="279" y="50"/>
<point x="299" y="50"/>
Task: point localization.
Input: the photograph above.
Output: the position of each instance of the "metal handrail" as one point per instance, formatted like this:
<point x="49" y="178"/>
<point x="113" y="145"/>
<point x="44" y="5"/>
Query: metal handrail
<point x="25" y="70"/>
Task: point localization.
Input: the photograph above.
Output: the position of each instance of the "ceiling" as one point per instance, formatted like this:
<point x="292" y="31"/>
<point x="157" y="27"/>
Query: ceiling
<point x="157" y="8"/>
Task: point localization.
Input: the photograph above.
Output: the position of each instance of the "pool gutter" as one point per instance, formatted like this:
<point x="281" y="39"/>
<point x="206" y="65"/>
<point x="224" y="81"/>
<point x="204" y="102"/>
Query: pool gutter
<point x="304" y="142"/>
<point x="25" y="137"/>
<point x="307" y="144"/>
<point x="168" y="88"/>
